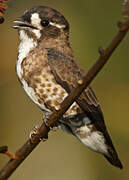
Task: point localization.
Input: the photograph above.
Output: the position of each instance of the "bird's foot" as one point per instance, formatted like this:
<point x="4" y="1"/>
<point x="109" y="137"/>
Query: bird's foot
<point x="34" y="132"/>
<point x="53" y="128"/>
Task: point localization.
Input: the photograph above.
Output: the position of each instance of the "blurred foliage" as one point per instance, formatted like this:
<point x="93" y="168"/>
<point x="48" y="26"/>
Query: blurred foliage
<point x="93" y="24"/>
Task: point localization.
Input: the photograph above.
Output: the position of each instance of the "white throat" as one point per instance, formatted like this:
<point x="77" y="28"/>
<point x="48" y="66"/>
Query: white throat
<point x="26" y="45"/>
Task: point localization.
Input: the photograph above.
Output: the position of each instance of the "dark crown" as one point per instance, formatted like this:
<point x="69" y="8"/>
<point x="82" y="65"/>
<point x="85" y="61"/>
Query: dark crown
<point x="46" y="14"/>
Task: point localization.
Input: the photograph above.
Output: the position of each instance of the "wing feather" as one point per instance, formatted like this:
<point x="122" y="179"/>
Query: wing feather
<point x="67" y="73"/>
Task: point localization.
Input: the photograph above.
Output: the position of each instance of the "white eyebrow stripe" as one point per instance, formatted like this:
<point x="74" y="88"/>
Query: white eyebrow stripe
<point x="57" y="25"/>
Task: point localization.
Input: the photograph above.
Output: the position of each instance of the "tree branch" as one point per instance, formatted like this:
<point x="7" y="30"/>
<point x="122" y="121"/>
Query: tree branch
<point x="28" y="147"/>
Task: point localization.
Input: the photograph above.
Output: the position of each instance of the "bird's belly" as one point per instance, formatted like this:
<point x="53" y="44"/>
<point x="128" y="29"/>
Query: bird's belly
<point x="33" y="96"/>
<point x="41" y="87"/>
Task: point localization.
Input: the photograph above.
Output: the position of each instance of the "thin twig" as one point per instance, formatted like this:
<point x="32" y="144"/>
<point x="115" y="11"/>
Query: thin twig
<point x="28" y="147"/>
<point x="3" y="7"/>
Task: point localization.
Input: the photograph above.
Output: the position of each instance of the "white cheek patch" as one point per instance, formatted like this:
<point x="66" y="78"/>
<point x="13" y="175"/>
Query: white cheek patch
<point x="35" y="20"/>
<point x="60" y="26"/>
<point x="37" y="33"/>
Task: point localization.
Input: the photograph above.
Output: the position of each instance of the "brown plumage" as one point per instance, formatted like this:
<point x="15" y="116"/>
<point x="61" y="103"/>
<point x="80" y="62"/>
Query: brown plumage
<point x="48" y="71"/>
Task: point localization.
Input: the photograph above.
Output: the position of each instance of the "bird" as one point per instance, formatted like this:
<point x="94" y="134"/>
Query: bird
<point x="48" y="71"/>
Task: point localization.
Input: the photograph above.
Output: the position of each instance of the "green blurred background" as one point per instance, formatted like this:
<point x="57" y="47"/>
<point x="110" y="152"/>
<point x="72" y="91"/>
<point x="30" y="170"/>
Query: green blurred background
<point x="93" y="24"/>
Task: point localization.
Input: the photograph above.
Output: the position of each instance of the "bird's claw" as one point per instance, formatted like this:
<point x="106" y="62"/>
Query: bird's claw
<point x="34" y="132"/>
<point x="54" y="128"/>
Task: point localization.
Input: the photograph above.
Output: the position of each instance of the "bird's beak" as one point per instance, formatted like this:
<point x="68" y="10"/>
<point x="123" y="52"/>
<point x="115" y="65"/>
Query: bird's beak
<point x="20" y="24"/>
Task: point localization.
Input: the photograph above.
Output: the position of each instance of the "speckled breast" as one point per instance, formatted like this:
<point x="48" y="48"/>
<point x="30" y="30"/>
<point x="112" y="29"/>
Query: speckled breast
<point x="39" y="83"/>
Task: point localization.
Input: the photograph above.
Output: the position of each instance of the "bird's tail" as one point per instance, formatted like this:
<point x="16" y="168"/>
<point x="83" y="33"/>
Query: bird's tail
<point x="101" y="144"/>
<point x="114" y="160"/>
<point x="112" y="157"/>
<point x="95" y="137"/>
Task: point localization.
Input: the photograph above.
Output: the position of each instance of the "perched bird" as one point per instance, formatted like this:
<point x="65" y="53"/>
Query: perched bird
<point x="45" y="60"/>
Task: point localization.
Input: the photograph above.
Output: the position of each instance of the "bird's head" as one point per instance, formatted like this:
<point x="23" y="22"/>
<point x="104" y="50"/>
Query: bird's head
<point x="42" y="22"/>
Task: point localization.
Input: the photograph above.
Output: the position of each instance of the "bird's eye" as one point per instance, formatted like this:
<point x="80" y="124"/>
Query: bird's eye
<point x="44" y="23"/>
